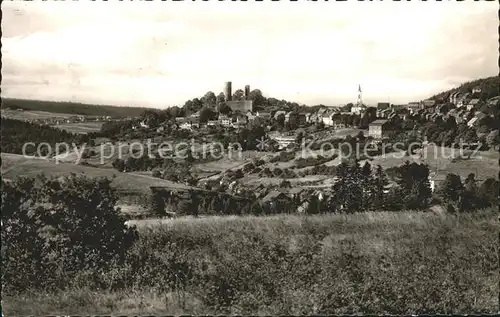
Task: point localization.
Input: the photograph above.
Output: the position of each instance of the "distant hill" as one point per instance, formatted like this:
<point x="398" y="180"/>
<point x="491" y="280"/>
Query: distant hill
<point x="71" y="108"/>
<point x="490" y="87"/>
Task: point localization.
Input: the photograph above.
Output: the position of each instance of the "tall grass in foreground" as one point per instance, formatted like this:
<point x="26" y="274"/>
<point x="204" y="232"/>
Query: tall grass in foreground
<point x="396" y="263"/>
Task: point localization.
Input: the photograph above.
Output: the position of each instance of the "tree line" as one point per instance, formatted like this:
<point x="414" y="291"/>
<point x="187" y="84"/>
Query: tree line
<point x="356" y="189"/>
<point x="489" y="88"/>
<point x="15" y="133"/>
<point x="71" y="108"/>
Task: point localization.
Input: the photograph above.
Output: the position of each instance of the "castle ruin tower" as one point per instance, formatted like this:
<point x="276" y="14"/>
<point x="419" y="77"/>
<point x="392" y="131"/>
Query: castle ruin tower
<point x="227" y="91"/>
<point x="247" y="92"/>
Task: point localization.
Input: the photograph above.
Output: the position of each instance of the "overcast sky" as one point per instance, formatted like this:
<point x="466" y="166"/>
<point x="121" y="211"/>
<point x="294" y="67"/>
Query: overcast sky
<point x="163" y="53"/>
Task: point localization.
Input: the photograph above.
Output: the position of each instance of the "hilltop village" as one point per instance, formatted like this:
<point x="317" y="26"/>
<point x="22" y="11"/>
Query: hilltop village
<point x="261" y="156"/>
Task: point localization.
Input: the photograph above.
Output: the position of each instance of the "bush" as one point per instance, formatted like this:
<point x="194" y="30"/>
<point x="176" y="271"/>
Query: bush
<point x="311" y="161"/>
<point x="54" y="228"/>
<point x="119" y="164"/>
<point x="283" y="157"/>
<point x="157" y="173"/>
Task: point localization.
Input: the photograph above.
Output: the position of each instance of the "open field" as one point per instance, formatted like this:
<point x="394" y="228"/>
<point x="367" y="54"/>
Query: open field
<point x="105" y="154"/>
<point x="80" y="127"/>
<point x="32" y="114"/>
<point x="330" y="133"/>
<point x="392" y="263"/>
<point x="14" y="165"/>
<point x="234" y="160"/>
<point x="74" y="108"/>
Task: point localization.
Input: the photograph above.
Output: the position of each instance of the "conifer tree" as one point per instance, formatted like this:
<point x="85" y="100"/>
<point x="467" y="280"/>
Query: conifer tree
<point x="380" y="183"/>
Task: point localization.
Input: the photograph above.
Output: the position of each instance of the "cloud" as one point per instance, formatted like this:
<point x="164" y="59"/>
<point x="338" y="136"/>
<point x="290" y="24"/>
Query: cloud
<point x="141" y="54"/>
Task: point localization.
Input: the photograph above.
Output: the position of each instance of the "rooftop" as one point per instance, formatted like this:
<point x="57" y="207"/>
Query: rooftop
<point x="273" y="195"/>
<point x="378" y="122"/>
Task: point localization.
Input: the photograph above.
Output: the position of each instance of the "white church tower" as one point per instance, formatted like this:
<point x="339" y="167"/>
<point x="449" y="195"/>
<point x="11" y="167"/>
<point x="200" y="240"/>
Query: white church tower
<point x="359" y="108"/>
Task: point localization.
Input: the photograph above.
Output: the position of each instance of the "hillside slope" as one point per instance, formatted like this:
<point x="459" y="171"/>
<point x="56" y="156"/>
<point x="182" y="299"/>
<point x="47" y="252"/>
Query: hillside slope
<point x="71" y="108"/>
<point x="490" y="87"/>
<point x="14" y="166"/>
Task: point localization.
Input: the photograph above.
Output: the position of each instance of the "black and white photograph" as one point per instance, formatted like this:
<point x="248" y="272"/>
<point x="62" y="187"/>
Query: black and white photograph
<point x="250" y="158"/>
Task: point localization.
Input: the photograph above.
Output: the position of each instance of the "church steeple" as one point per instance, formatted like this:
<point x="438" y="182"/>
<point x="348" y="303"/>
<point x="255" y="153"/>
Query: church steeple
<point x="360" y="96"/>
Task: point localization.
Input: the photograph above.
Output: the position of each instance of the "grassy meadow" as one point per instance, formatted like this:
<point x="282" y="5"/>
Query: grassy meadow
<point x="81" y="127"/>
<point x="14" y="165"/>
<point x="397" y="263"/>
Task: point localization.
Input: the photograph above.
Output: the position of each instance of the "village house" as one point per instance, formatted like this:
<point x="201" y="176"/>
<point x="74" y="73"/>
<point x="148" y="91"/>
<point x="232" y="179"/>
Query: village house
<point x="383" y="106"/>
<point x="429" y="103"/>
<point x="321" y="111"/>
<point x="319" y="194"/>
<point x="415" y="106"/>
<point x="384" y="113"/>
<point x="306" y="117"/>
<point x="436" y="180"/>
<point x="292" y="117"/>
<point x="283" y="140"/>
<point x="250" y="116"/>
<point x="303" y="207"/>
<point x="338" y="124"/>
<point x="275" y="198"/>
<point x="435" y="117"/>
<point x="453" y="97"/>
<point x="212" y="123"/>
<point x="264" y="115"/>
<point x="378" y="129"/>
<point x="392" y="115"/>
<point x="493" y="101"/>
<point x="327" y="118"/>
<point x="472" y="122"/>
<point x="476" y="90"/>
<point x="440" y="109"/>
<point x="240" y="120"/>
<point x="190" y="124"/>
<point x="224" y="120"/>
<point x="480" y="115"/>
<point x="472" y="103"/>
<point x="314" y="118"/>
<point x="296" y="194"/>
<point x="462" y="100"/>
<point x="453" y="113"/>
<point x="278" y="113"/>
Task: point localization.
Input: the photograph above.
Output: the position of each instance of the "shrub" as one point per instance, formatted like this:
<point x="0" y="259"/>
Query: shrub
<point x="156" y="173"/>
<point x="311" y="161"/>
<point x="283" y="157"/>
<point x="54" y="228"/>
<point x="119" y="164"/>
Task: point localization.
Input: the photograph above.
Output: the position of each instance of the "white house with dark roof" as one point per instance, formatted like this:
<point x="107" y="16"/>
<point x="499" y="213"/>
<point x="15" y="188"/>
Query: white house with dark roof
<point x="224" y="120"/>
<point x="472" y="122"/>
<point x="327" y="118"/>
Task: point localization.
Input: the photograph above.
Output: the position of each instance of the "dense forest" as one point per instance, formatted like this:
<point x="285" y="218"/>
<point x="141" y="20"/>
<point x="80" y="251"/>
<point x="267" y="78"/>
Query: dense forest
<point x="490" y="87"/>
<point x="71" y="108"/>
<point x="16" y="133"/>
